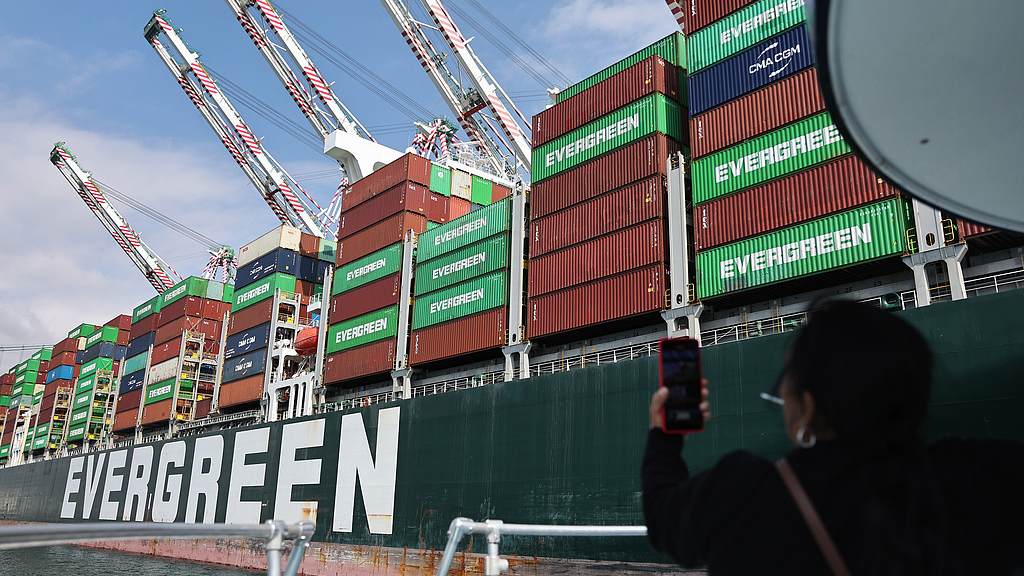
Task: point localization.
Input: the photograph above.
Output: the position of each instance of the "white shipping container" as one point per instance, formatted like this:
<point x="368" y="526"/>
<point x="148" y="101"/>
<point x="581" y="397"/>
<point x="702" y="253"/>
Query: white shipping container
<point x="283" y="236"/>
<point x="462" y="184"/>
<point x="163" y="371"/>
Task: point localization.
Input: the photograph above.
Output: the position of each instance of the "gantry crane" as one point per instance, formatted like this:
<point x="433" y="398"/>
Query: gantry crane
<point x="464" y="102"/>
<point x="262" y="170"/>
<point x="159" y="274"/>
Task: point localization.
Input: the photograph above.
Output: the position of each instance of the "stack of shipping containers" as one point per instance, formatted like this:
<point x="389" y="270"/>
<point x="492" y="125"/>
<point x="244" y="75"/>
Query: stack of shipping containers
<point x="142" y="334"/>
<point x="777" y="194"/>
<point x="6" y="387"/>
<point x="597" y="247"/>
<point x="55" y="407"/>
<point x="92" y="406"/>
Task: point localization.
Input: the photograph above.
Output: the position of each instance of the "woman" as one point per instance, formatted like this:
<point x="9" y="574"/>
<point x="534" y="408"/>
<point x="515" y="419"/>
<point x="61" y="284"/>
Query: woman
<point x="855" y="391"/>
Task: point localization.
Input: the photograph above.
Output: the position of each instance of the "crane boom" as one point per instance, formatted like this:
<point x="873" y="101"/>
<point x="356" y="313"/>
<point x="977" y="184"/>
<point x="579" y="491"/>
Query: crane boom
<point x="245" y="148"/>
<point x="152" y="267"/>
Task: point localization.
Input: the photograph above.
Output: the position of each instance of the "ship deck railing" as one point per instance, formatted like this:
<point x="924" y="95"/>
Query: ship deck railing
<point x="494" y="564"/>
<point x="273" y="532"/>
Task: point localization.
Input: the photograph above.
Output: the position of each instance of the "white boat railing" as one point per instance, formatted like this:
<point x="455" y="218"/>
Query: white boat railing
<point x="494" y="564"/>
<point x="273" y="532"/>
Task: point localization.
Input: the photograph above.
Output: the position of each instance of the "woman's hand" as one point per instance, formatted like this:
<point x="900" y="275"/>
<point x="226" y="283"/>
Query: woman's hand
<point x="658" y="401"/>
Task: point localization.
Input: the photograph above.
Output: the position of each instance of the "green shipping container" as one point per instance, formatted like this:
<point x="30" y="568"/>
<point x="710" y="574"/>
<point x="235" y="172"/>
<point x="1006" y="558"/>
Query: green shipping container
<point x="82" y="400"/>
<point x="102" y="334"/>
<point x="477" y="295"/>
<point x="440" y="180"/>
<point x="79" y="417"/>
<point x="37" y="397"/>
<point x="160" y="391"/>
<point x="38" y="442"/>
<point x="191" y="286"/>
<point x="229" y="293"/>
<point x="92" y="368"/>
<point x="43" y="355"/>
<point x="655" y="113"/>
<point x="328" y="250"/>
<point x="42" y="429"/>
<point x="482" y="191"/>
<point x="214" y="290"/>
<point x="85" y="383"/>
<point x="77" y="432"/>
<point x="82" y="331"/>
<point x="381" y="263"/>
<point x="27" y="366"/>
<point x="135" y="363"/>
<point x="367" y="328"/>
<point x="151" y="306"/>
<point x="672" y="48"/>
<point x="5" y="400"/>
<point x="843" y="239"/>
<point x="786" y="150"/>
<point x="5" y="451"/>
<point x="461" y="265"/>
<point x="465" y="230"/>
<point x="260" y="291"/>
<point x="741" y="30"/>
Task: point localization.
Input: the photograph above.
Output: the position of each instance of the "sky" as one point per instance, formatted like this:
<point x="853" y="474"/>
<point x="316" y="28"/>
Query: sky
<point x="82" y="73"/>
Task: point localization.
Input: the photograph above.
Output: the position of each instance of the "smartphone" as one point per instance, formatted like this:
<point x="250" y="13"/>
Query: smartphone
<point x="679" y="371"/>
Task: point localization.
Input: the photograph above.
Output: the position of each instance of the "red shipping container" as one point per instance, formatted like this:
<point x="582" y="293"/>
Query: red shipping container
<point x="971" y="230"/>
<point x="41" y="378"/>
<point x="757" y="113"/>
<point x="47" y="403"/>
<point x="630" y="294"/>
<point x="378" y="236"/>
<point x="611" y="211"/>
<point x="693" y="15"/>
<point x="375" y="358"/>
<point x="211" y="328"/>
<point x="309" y="245"/>
<point x="305" y="289"/>
<point x="366" y="298"/>
<point x="44" y="367"/>
<point x="406" y="196"/>
<point x="172" y="348"/>
<point x="8" y="378"/>
<point x="187" y="306"/>
<point x="204" y="405"/>
<point x="641" y="159"/>
<point x="125" y="421"/>
<point x="461" y="336"/>
<point x="215" y="309"/>
<point x="499" y="192"/>
<point x="147" y="324"/>
<point x="123" y="337"/>
<point x="157" y="412"/>
<point x="122" y="322"/>
<point x="241" y="391"/>
<point x="251" y="316"/>
<point x="129" y="401"/>
<point x="833" y="187"/>
<point x="650" y="75"/>
<point x="460" y="207"/>
<point x="67" y="345"/>
<point x="45" y="414"/>
<point x="626" y="249"/>
<point x="409" y="167"/>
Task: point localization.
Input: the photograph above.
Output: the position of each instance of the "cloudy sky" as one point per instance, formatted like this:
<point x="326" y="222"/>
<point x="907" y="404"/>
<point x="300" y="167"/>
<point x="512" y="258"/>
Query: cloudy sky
<point x="82" y="73"/>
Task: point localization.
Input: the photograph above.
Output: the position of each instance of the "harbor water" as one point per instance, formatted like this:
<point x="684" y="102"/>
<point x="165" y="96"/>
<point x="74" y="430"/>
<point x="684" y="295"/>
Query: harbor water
<point x="80" y="561"/>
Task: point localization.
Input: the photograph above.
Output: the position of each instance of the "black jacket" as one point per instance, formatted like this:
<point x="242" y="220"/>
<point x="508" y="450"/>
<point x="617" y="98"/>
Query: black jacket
<point x="738" y="517"/>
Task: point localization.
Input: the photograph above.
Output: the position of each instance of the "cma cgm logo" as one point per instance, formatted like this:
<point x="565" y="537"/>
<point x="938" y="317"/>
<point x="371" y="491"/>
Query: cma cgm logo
<point x="776" y="61"/>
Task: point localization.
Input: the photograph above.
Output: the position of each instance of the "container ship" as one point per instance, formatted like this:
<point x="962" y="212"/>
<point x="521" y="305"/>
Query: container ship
<point x="470" y="346"/>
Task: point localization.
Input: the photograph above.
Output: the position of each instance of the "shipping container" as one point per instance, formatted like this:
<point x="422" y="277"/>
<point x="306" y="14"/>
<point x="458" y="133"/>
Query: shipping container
<point x="174" y="329"/>
<point x="159" y="412"/>
<point x="375" y="358"/>
<point x="832" y="187"/>
<point x="967" y="229"/>
<point x="251" y="316"/>
<point x="126" y="420"/>
<point x="141" y="344"/>
<point x="411" y="167"/>
<point x="131" y="382"/>
<point x="214" y="290"/>
<point x="159" y="392"/>
<point x="627" y="249"/>
<point x="121" y="322"/>
<point x="365" y="299"/>
<point x="328" y="250"/>
<point x="280" y="260"/>
<point x="283" y="236"/>
<point x="363" y="329"/>
<point x="135" y="363"/>
<point x="262" y="290"/>
<point x="614" y="170"/>
<point x="245" y="366"/>
<point x="768" y="62"/>
<point x="696" y="14"/>
<point x="653" y="114"/>
<point x="378" y="236"/>
<point x="82" y="331"/>
<point x="486" y="330"/>
<point x="166" y="370"/>
<point x="215" y="309"/>
<point x="741" y="30"/>
<point x="63" y="372"/>
<point x="462" y="185"/>
<point x="672" y="48"/>
<point x="144" y="326"/>
<point x="441" y="180"/>
<point x="166" y="351"/>
<point x="629" y="294"/>
<point x="311" y="270"/>
<point x="499" y="193"/>
<point x="606" y="213"/>
<point x="650" y="75"/>
<point x="852" y="237"/>
<point x="102" y="334"/>
<point x="96" y="366"/>
<point x="465" y="230"/>
<point x="771" y="107"/>
<point x="476" y="295"/>
<point x="457" y="207"/>
<point x="247" y="341"/>
<point x="151" y="306"/>
<point x="309" y="245"/>
<point x="68" y="345"/>
<point x="188" y="306"/>
<point x="45" y="354"/>
<point x="778" y="153"/>
<point x="85" y="383"/>
<point x="463" y="264"/>
<point x="244" y="391"/>
<point x="371" y="268"/>
<point x="191" y="286"/>
<point x="104" y="350"/>
<point x="203" y="407"/>
<point x="405" y="196"/>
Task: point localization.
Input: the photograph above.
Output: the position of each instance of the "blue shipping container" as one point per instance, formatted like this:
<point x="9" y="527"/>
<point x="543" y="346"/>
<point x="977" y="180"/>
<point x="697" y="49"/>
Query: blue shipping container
<point x="280" y="260"/>
<point x="132" y="382"/>
<point x="103" y="350"/>
<point x="60" y="373"/>
<point x="141" y="344"/>
<point x="248" y="341"/>
<point x="245" y="365"/>
<point x="769" y="61"/>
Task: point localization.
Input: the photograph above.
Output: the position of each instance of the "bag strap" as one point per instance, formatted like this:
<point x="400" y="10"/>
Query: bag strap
<point x="828" y="548"/>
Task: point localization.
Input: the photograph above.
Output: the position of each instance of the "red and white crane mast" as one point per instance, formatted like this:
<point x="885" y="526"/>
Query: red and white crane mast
<point x="158" y="272"/>
<point x="245" y="148"/>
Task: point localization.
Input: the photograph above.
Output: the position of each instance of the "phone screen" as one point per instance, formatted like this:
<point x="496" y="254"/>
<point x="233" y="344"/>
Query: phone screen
<point x="679" y="360"/>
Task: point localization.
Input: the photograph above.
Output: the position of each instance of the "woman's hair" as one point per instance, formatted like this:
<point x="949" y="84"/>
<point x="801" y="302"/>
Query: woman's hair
<point x="868" y="371"/>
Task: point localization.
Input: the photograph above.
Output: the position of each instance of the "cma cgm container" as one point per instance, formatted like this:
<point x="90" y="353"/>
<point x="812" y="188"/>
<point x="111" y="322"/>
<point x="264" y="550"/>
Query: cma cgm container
<point x="410" y="167"/>
<point x="832" y="187"/>
<point x="672" y="48"/>
<point x="636" y="161"/>
<point x="405" y="196"/>
<point x="770" y="61"/>
<point x="378" y="236"/>
<point x="650" y="75"/>
<point x="483" y="331"/>
<point x="771" y="107"/>
<point x="741" y="30"/>
<point x="653" y="114"/>
<point x="374" y="358"/>
<point x="852" y="237"/>
<point x="611" y="211"/>
<point x="783" y="151"/>
<point x="693" y="15"/>
<point x="247" y="341"/>
<point x="281" y="260"/>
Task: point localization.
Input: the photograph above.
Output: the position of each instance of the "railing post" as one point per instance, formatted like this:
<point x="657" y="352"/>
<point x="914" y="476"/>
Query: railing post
<point x="273" y="546"/>
<point x="494" y="565"/>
